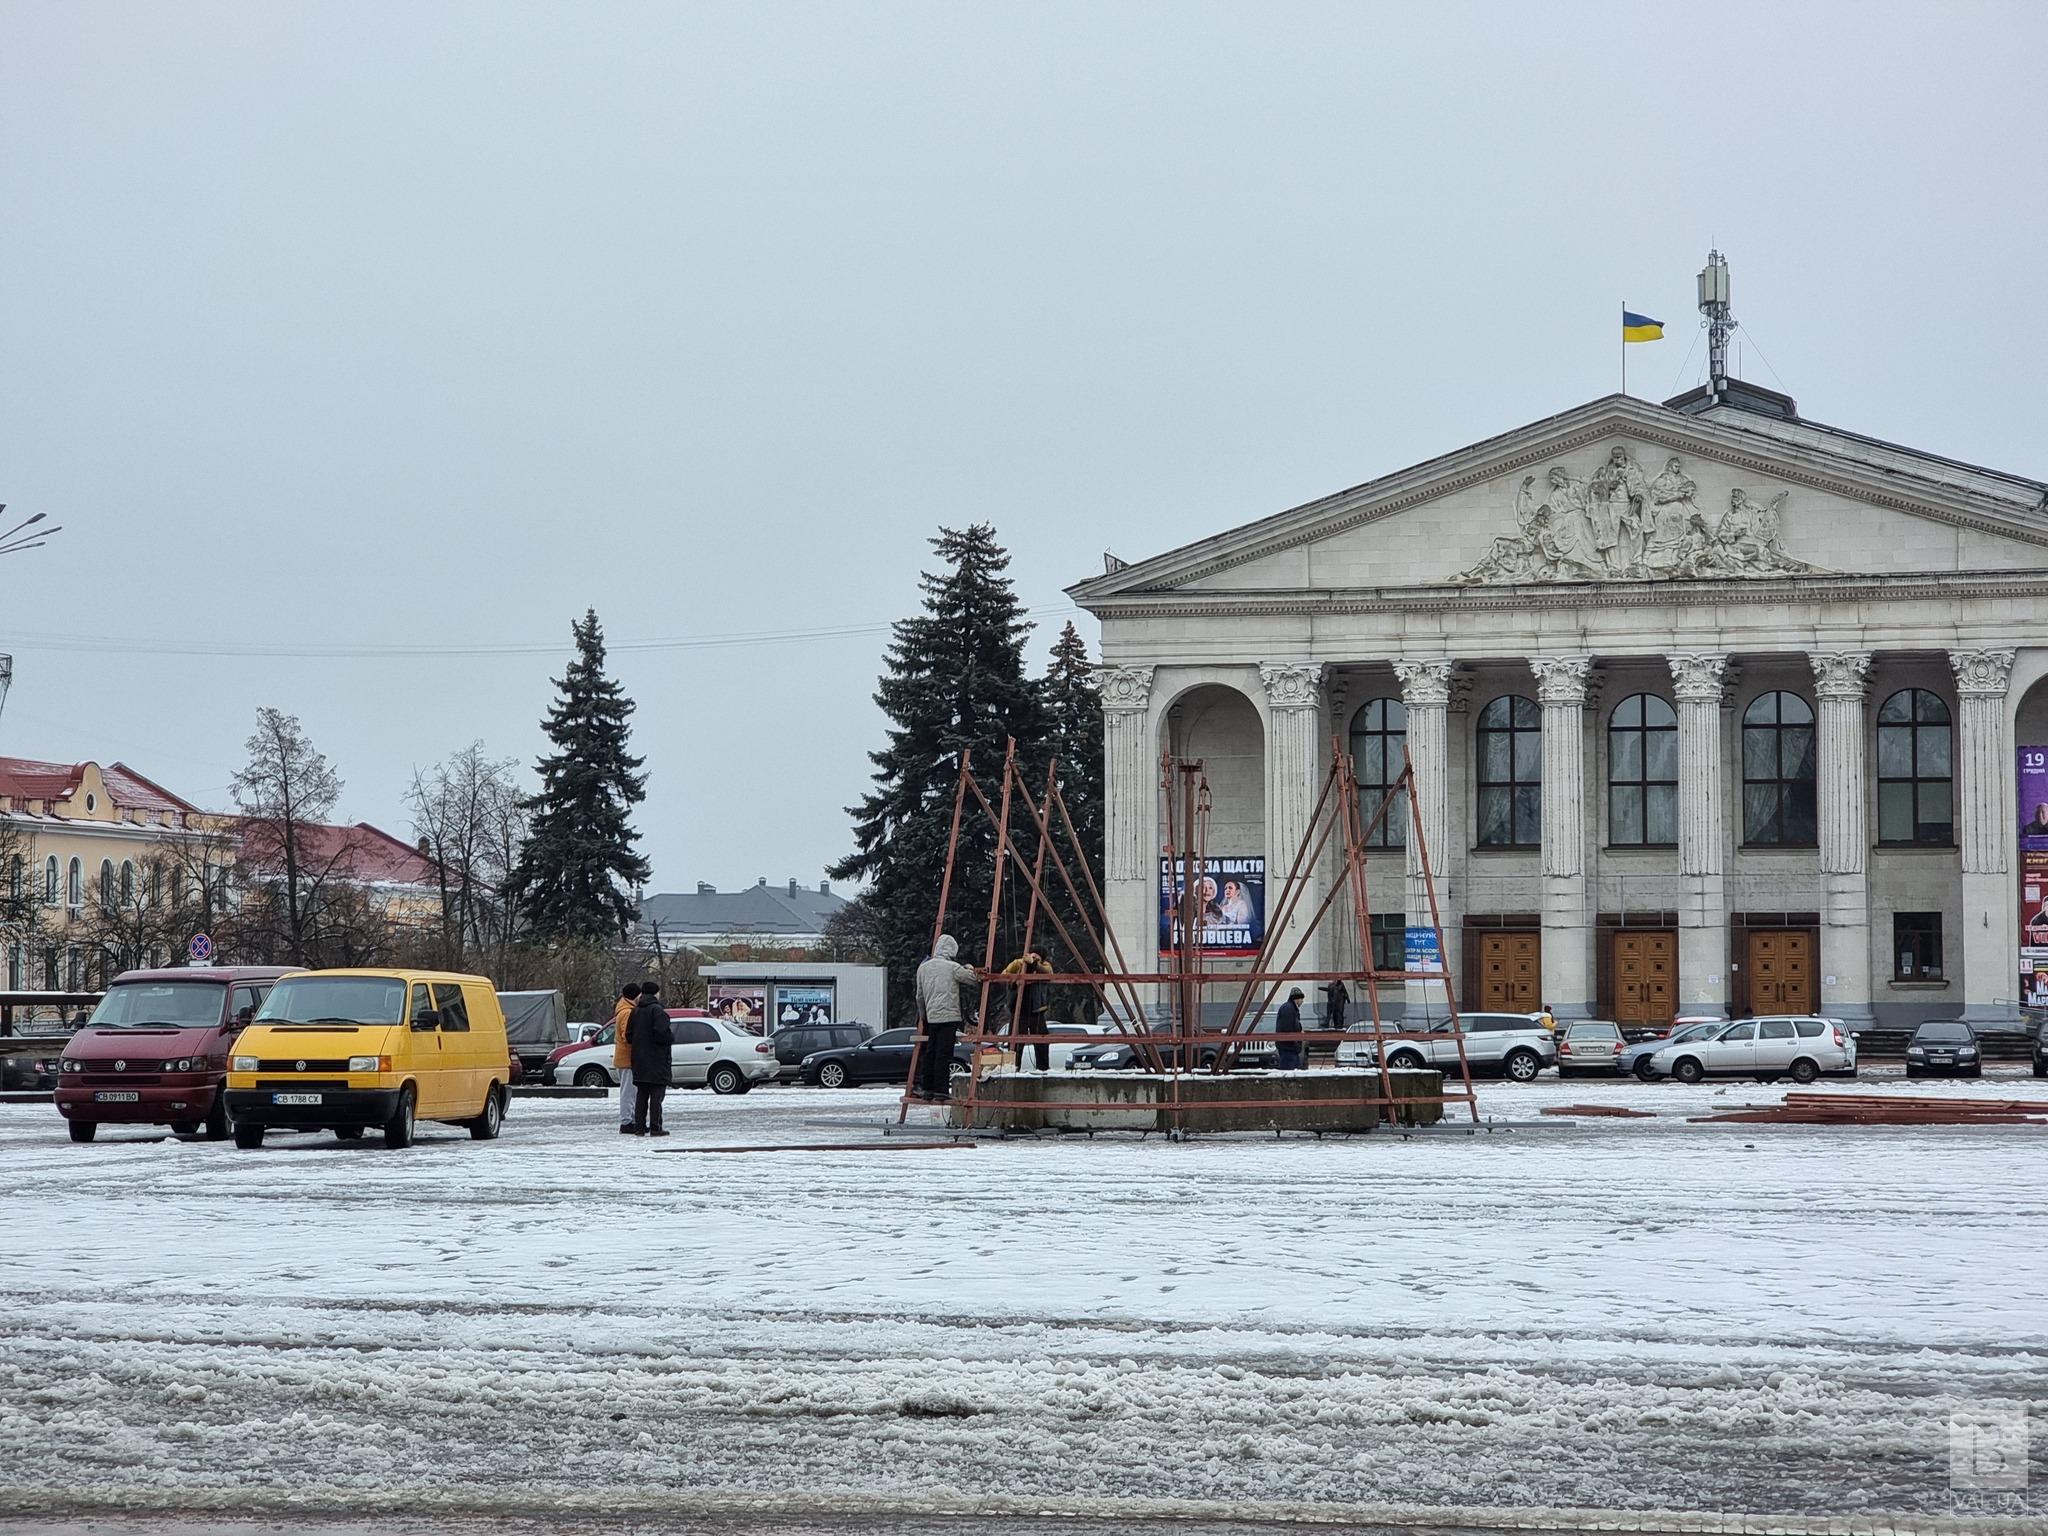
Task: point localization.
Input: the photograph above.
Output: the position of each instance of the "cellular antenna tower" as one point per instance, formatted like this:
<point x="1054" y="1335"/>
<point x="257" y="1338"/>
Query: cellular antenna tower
<point x="1714" y="304"/>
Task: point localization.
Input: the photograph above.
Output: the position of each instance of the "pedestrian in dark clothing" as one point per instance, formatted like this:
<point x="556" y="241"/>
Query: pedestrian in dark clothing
<point x="650" y="1036"/>
<point x="1288" y="1027"/>
<point x="1029" y="1015"/>
<point x="1337" y="1000"/>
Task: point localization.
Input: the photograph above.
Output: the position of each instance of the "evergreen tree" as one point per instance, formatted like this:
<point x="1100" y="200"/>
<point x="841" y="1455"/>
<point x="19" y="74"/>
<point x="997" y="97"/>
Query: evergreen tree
<point x="1073" y="736"/>
<point x="955" y="680"/>
<point x="577" y="873"/>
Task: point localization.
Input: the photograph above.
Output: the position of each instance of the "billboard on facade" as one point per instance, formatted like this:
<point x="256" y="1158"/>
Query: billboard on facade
<point x="744" y="1003"/>
<point x="2033" y="799"/>
<point x="803" y="1003"/>
<point x="1232" y="918"/>
<point x="2033" y="936"/>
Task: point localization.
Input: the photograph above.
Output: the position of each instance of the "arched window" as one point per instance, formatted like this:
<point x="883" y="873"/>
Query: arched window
<point x="177" y="888"/>
<point x="1777" y="771"/>
<point x="1379" y="737"/>
<point x="1510" y="773"/>
<point x="1642" y="773"/>
<point x="127" y="882"/>
<point x="74" y="883"/>
<point x="106" y="882"/>
<point x="17" y="878"/>
<point x="50" y="880"/>
<point x="1915" y="795"/>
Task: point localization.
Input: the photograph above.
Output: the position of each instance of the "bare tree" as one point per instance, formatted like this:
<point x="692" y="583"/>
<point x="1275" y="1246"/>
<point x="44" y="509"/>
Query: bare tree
<point x="465" y="812"/>
<point x="285" y="795"/>
<point x="24" y="901"/>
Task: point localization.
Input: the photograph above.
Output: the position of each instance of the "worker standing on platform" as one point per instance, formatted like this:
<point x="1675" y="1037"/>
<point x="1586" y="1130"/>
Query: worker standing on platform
<point x="938" y="984"/>
<point x="1027" y="1007"/>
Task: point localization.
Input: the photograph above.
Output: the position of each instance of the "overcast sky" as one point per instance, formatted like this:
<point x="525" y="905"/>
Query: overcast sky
<point x="416" y="328"/>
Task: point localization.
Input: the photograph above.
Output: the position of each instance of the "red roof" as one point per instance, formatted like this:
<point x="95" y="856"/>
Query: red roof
<point x="361" y="852"/>
<point x="26" y="779"/>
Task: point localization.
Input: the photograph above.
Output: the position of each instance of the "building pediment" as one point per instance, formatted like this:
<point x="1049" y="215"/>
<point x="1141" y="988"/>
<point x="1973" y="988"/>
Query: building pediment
<point x="1622" y="491"/>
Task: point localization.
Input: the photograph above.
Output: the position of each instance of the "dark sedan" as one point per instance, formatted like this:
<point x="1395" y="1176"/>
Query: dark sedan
<point x="2041" y="1053"/>
<point x="884" y="1059"/>
<point x="1943" y="1045"/>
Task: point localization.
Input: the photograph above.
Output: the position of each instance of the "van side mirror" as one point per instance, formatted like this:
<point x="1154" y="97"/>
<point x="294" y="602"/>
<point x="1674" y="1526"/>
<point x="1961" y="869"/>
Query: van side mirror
<point x="431" y="1019"/>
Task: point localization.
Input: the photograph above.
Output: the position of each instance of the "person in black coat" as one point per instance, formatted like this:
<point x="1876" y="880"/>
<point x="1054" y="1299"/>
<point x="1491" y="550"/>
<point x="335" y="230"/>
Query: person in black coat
<point x="651" y="1036"/>
<point x="1288" y="1029"/>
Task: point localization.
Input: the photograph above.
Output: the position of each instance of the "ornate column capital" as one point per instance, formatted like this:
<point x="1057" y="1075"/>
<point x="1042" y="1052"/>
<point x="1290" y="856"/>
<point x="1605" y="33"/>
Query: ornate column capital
<point x="1124" y="688"/>
<point x="1986" y="674"/>
<point x="1424" y="681"/>
<point x="1840" y="674"/>
<point x="1292" y="684"/>
<point x="1561" y="679"/>
<point x="1696" y="675"/>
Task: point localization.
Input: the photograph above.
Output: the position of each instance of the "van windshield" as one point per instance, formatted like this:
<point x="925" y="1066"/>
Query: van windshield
<point x="180" y="1004"/>
<point x="334" y="1000"/>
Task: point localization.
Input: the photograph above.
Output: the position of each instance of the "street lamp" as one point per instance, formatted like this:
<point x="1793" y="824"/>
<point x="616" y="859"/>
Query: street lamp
<point x="11" y="542"/>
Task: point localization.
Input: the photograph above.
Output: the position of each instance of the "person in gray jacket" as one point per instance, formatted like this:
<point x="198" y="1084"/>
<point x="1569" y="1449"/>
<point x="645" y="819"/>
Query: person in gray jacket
<point x="938" y="983"/>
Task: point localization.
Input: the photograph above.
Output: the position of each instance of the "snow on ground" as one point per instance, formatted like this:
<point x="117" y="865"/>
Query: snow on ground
<point x="1627" y="1314"/>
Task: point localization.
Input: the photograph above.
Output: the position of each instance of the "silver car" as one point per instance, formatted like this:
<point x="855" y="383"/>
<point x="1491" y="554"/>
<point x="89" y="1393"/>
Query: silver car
<point x="708" y="1053"/>
<point x="1513" y="1044"/>
<point x="1799" y="1047"/>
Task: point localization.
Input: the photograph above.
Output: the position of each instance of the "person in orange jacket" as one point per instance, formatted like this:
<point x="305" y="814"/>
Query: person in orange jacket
<point x="622" y="1054"/>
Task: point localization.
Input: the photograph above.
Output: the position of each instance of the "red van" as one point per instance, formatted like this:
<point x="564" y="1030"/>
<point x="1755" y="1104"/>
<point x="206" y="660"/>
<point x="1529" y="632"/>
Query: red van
<point x="155" y="1051"/>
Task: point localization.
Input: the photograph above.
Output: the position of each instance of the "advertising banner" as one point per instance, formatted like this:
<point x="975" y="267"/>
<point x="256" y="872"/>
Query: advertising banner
<point x="803" y="1003"/>
<point x="1232" y="917"/>
<point x="2033" y="796"/>
<point x="744" y="1003"/>
<point x="2033" y="947"/>
<point x="1422" y="952"/>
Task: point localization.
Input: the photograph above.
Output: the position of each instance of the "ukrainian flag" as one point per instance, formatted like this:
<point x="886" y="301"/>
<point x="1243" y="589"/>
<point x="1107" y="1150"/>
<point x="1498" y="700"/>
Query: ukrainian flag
<point x="1635" y="327"/>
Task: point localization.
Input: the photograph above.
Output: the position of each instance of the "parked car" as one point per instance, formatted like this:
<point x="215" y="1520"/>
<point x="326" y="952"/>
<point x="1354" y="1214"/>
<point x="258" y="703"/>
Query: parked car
<point x="1513" y="1044"/>
<point x="884" y="1058"/>
<point x="2040" y="1055"/>
<point x="796" y="1042"/>
<point x="32" y="1068"/>
<point x="1067" y="1039"/>
<point x="708" y="1053"/>
<point x="596" y="1034"/>
<point x="1802" y="1048"/>
<point x="1589" y="1045"/>
<point x="155" y="1051"/>
<point x="358" y="1050"/>
<point x="1945" y="1045"/>
<point x="1640" y="1057"/>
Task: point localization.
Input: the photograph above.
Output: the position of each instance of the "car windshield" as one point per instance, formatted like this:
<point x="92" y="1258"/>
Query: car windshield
<point x="334" y="1000"/>
<point x="181" y="1004"/>
<point x="1944" y="1034"/>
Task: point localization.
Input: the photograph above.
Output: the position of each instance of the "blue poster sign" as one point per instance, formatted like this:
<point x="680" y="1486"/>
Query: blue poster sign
<point x="1232" y="912"/>
<point x="1422" y="952"/>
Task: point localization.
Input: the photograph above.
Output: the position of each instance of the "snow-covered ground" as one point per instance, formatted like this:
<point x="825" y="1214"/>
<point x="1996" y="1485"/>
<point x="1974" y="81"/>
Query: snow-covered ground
<point x="1630" y="1314"/>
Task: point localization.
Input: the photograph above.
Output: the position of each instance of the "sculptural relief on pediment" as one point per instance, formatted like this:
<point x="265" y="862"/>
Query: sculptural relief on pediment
<point x="1621" y="524"/>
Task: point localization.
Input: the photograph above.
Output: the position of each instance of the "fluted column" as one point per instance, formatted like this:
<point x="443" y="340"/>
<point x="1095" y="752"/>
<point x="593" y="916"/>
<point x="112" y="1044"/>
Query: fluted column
<point x="1567" y="926"/>
<point x="1130" y="793"/>
<point x="1840" y="683"/>
<point x="1702" y="837"/>
<point x="1986" y="822"/>
<point x="1426" y="691"/>
<point x="1294" y="697"/>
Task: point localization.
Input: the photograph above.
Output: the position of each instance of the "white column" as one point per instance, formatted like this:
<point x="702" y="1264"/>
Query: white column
<point x="1986" y="823"/>
<point x="1840" y="683"/>
<point x="1702" y="836"/>
<point x="1294" y="697"/>
<point x="1567" y="925"/>
<point x="1130" y="793"/>
<point x="1426" y="691"/>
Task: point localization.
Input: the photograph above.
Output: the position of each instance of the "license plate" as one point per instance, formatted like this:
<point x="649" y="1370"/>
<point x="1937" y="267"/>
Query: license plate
<point x="295" y="1098"/>
<point x="117" y="1098"/>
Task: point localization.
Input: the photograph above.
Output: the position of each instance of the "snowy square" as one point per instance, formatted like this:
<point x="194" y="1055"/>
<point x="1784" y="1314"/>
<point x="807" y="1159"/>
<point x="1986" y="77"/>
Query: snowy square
<point x="1987" y="1446"/>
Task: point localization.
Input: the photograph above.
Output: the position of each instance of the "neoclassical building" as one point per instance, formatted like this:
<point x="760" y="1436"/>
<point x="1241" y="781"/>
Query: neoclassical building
<point x="1712" y="709"/>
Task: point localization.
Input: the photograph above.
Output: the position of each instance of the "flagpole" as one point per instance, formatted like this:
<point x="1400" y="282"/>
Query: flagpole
<point x="1624" y="346"/>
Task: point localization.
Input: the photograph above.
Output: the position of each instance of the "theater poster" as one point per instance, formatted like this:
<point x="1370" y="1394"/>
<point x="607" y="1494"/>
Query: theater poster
<point x="1232" y="905"/>
<point x="2033" y="797"/>
<point x="2032" y="816"/>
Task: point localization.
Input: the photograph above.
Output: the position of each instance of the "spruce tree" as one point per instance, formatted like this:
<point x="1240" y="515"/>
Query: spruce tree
<point x="955" y="680"/>
<point x="577" y="873"/>
<point x="1073" y="736"/>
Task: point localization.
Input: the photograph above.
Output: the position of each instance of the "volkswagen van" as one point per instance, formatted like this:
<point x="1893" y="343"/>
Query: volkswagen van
<point x="371" y="1050"/>
<point x="155" y="1050"/>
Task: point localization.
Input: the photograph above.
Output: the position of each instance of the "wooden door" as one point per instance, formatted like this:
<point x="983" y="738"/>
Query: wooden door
<point x="1782" y="978"/>
<point x="1646" y="978"/>
<point x="1510" y="972"/>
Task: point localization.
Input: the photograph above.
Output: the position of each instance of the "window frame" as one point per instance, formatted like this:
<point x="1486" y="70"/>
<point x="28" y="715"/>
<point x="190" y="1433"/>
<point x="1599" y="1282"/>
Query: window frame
<point x="74" y="883"/>
<point x="1393" y="832"/>
<point x="1784" y="784"/>
<point x="1915" y="781"/>
<point x="1906" y="932"/>
<point x="1642" y="783"/>
<point x="1519" y="725"/>
<point x="1389" y="928"/>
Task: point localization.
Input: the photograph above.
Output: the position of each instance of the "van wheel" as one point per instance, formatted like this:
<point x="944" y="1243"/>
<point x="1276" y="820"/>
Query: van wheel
<point x="593" y="1077"/>
<point x="84" y="1130"/>
<point x="485" y="1127"/>
<point x="185" y="1128"/>
<point x="398" y="1129"/>
<point x="1523" y="1066"/>
<point x="725" y="1078"/>
<point x="348" y="1133"/>
<point x="1687" y="1070"/>
<point x="1804" y="1071"/>
<point x="248" y="1137"/>
<point x="217" y="1119"/>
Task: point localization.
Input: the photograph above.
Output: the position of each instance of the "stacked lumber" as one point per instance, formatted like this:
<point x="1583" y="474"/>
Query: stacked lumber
<point x="1615" y="1111"/>
<point x="1882" y="1109"/>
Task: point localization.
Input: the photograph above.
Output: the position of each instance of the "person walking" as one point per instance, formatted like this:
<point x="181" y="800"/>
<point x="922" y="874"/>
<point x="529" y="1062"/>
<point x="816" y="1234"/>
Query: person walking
<point x="1288" y="1027"/>
<point x="1547" y="1017"/>
<point x="938" y="983"/>
<point x="622" y="1053"/>
<point x="1027" y="1011"/>
<point x="652" y="1038"/>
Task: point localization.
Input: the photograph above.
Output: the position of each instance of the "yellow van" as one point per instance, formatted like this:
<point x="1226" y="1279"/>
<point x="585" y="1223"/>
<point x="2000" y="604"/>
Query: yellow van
<point x="351" y="1051"/>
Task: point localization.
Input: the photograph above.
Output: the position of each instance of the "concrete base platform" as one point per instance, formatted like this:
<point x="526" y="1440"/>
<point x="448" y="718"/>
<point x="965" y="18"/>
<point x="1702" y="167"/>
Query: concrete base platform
<point x="1236" y="1101"/>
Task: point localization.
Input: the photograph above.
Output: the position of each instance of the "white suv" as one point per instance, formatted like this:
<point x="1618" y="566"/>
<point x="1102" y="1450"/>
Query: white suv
<point x="1798" y="1047"/>
<point x="708" y="1053"/>
<point x="1514" y="1044"/>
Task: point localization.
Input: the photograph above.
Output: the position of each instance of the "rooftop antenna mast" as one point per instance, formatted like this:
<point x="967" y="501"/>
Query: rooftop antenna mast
<point x="1714" y="304"/>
